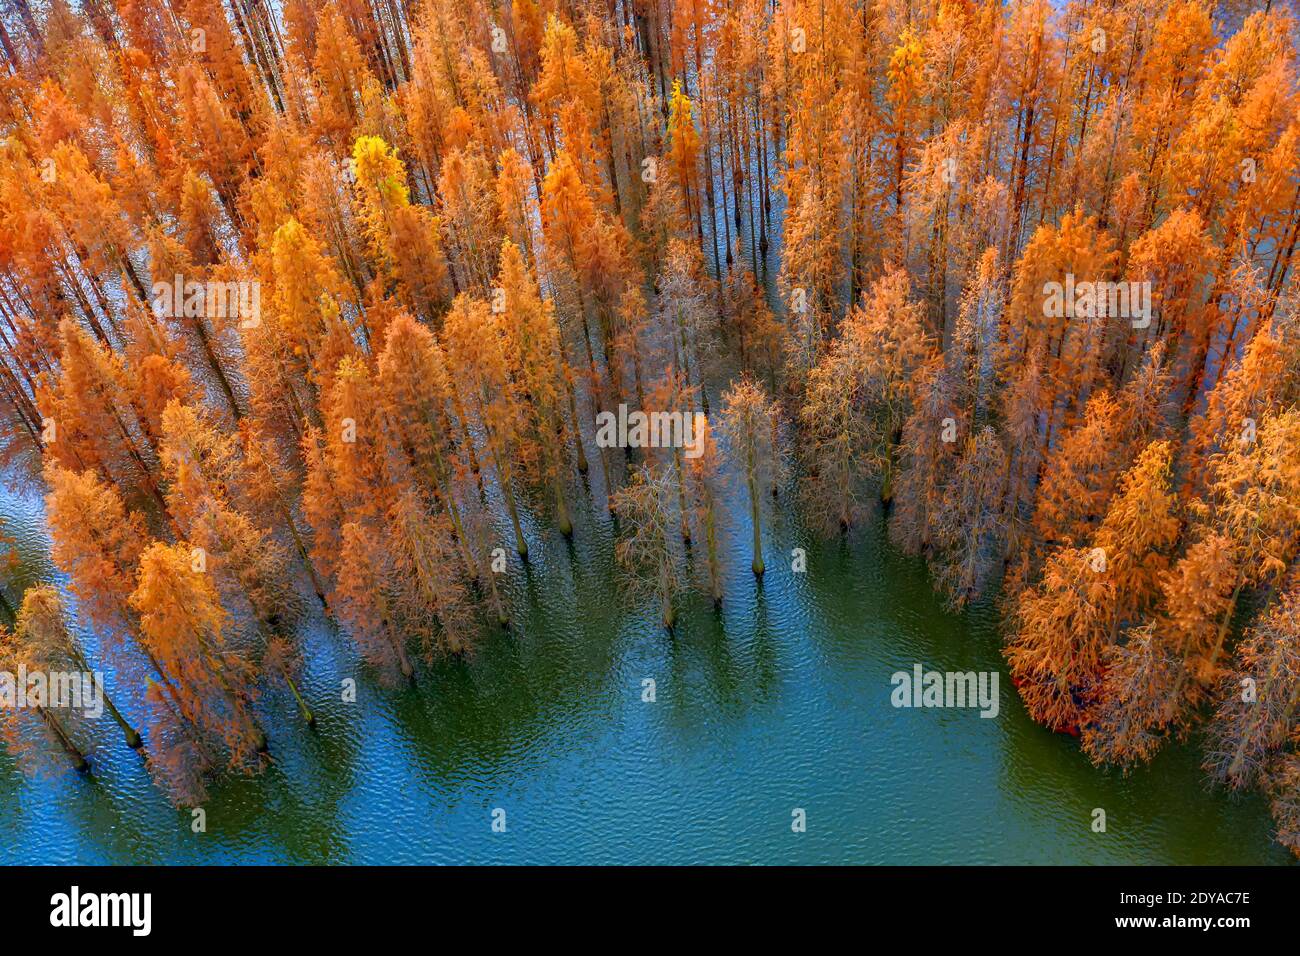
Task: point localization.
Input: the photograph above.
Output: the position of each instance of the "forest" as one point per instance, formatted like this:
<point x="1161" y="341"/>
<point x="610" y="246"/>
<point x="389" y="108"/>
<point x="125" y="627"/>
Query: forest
<point x="312" y="307"/>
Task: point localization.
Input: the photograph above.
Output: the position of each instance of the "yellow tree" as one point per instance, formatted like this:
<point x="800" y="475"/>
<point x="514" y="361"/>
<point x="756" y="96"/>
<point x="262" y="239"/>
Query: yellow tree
<point x="684" y="151"/>
<point x="403" y="238"/>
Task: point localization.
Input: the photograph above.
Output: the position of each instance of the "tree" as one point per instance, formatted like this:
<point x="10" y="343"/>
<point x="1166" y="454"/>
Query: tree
<point x="95" y="422"/>
<point x="684" y="149"/>
<point x="475" y="350"/>
<point x="860" y="395"/>
<point x="97" y="544"/>
<point x="247" y="563"/>
<point x="514" y="207"/>
<point x="840" y="434"/>
<point x="403" y="238"/>
<point x="648" y="504"/>
<point x="1136" y="707"/>
<point x="1140" y="528"/>
<point x="363" y="604"/>
<point x="1255" y="504"/>
<point x="431" y="603"/>
<point x="749" y="422"/>
<point x="468" y="215"/>
<point x="702" y="493"/>
<point x="968" y="528"/>
<point x="928" y="452"/>
<point x="1080" y="475"/>
<point x="416" y="396"/>
<point x="1062" y="629"/>
<point x="31" y="741"/>
<point x="686" y="315"/>
<point x="269" y="489"/>
<point x="41" y="629"/>
<point x="1255" y="716"/>
<point x="1237" y="403"/>
<point x="183" y="625"/>
<point x="532" y="337"/>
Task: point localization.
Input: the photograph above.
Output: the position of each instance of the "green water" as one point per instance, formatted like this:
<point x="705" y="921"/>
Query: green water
<point x="780" y="701"/>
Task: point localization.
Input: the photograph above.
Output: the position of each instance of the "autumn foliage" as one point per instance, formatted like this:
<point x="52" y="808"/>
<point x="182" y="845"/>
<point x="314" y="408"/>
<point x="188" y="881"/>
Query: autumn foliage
<point x="313" y="308"/>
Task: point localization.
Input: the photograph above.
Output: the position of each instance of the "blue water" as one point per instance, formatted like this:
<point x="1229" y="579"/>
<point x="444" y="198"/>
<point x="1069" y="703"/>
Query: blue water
<point x="780" y="701"/>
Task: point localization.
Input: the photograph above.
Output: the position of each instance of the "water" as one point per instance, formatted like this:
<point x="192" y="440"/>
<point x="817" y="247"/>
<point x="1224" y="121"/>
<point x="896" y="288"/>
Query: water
<point x="781" y="701"/>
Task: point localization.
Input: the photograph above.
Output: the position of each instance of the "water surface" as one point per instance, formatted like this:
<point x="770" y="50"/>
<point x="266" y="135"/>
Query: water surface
<point x="780" y="701"/>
